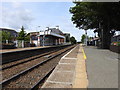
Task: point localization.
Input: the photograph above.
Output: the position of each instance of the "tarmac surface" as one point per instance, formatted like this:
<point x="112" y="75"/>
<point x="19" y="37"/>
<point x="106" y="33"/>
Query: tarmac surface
<point x="102" y="68"/>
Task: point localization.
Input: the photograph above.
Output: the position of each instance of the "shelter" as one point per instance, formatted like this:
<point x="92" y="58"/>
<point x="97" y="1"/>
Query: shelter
<point x="49" y="37"/>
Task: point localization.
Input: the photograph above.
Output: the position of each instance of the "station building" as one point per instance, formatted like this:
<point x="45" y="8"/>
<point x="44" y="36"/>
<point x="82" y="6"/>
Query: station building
<point x="49" y="37"/>
<point x="12" y="32"/>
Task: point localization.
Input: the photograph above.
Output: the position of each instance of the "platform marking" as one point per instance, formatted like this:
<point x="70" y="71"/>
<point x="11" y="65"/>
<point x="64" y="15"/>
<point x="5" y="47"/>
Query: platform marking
<point x="84" y="55"/>
<point x="81" y="80"/>
<point x="59" y="82"/>
<point x="65" y="63"/>
<point x="69" y="58"/>
<point x="65" y="71"/>
<point x="68" y="52"/>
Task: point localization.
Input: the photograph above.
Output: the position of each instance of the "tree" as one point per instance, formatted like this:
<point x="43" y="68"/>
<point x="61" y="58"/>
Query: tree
<point x="72" y="40"/>
<point x="102" y="16"/>
<point x="27" y="37"/>
<point x="22" y="34"/>
<point x="67" y="36"/>
<point x="83" y="38"/>
<point x="4" y="35"/>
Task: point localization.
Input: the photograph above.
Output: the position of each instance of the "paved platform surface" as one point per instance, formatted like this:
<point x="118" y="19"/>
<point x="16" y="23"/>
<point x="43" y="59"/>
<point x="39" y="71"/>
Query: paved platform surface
<point x="66" y="74"/>
<point x="20" y="49"/>
<point x="102" y="68"/>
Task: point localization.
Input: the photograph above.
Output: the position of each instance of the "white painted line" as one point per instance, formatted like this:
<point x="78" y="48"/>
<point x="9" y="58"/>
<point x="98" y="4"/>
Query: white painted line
<point x="65" y="71"/>
<point x="60" y="82"/>
<point x="69" y="58"/>
<point x="67" y="63"/>
<point x="68" y="52"/>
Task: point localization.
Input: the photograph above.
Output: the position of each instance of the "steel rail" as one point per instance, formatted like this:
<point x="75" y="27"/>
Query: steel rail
<point x="42" y="79"/>
<point x="7" y="67"/>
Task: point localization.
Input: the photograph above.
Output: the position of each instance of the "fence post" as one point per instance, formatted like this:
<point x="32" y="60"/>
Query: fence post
<point x="7" y="41"/>
<point x="16" y="43"/>
<point x="22" y="43"/>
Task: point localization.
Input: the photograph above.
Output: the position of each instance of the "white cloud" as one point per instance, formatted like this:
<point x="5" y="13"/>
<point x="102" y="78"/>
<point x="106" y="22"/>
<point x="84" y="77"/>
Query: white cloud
<point x="60" y="0"/>
<point x="37" y="0"/>
<point x="16" y="4"/>
<point x="69" y="27"/>
<point x="16" y="16"/>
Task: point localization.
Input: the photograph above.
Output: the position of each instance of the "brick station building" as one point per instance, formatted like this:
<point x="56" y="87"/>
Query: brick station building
<point x="49" y="37"/>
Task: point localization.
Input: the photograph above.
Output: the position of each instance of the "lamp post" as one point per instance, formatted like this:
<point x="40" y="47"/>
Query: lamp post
<point x="44" y="36"/>
<point x="38" y="42"/>
<point x="85" y="28"/>
<point x="43" y="39"/>
<point x="57" y="27"/>
<point x="37" y="27"/>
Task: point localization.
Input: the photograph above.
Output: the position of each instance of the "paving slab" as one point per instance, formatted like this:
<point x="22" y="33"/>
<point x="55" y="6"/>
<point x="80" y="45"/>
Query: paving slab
<point x="74" y="53"/>
<point x="67" y="61"/>
<point x="61" y="77"/>
<point x="57" y="85"/>
<point x="81" y="80"/>
<point x="64" y="73"/>
<point x="67" y="67"/>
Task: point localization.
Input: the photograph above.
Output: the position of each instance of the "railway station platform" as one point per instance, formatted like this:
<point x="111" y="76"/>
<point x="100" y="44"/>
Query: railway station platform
<point x="86" y="67"/>
<point x="20" y="49"/>
<point x="70" y="71"/>
<point x="22" y="53"/>
<point x="27" y="48"/>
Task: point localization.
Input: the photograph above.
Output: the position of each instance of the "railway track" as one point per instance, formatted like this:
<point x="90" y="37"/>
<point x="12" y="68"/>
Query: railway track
<point x="15" y="63"/>
<point x="22" y="65"/>
<point x="32" y="76"/>
<point x="12" y="64"/>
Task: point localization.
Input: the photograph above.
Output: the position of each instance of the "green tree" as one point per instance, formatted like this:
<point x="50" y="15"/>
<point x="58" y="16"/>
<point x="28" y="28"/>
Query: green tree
<point x="27" y="37"/>
<point x="67" y="36"/>
<point x="83" y="38"/>
<point x="102" y="16"/>
<point x="22" y="34"/>
<point x="4" y="35"/>
<point x="72" y="40"/>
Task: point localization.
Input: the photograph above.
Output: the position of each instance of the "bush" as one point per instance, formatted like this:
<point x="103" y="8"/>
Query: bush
<point x="32" y="45"/>
<point x="8" y="46"/>
<point x="115" y="43"/>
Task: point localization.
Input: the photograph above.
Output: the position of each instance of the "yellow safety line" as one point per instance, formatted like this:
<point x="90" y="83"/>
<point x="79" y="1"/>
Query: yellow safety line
<point x="80" y="80"/>
<point x="84" y="54"/>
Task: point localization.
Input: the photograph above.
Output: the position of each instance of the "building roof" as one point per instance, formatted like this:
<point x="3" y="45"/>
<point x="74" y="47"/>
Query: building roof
<point x="97" y="38"/>
<point x="8" y="29"/>
<point x="53" y="32"/>
<point x="12" y="32"/>
<point x="116" y="35"/>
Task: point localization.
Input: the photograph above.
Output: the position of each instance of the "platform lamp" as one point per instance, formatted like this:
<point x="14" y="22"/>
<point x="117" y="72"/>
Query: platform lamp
<point x="57" y="27"/>
<point x="38" y="42"/>
<point x="85" y="28"/>
<point x="44" y="36"/>
<point x="47" y="28"/>
<point x="37" y="28"/>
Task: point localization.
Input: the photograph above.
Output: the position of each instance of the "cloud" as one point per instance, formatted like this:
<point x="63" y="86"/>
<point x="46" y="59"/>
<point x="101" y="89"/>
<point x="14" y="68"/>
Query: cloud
<point x="16" y="16"/>
<point x="69" y="27"/>
<point x="37" y="0"/>
<point x="16" y="4"/>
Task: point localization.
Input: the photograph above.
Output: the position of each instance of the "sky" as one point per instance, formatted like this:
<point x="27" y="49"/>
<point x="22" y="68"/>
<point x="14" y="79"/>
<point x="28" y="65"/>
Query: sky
<point x="36" y="16"/>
